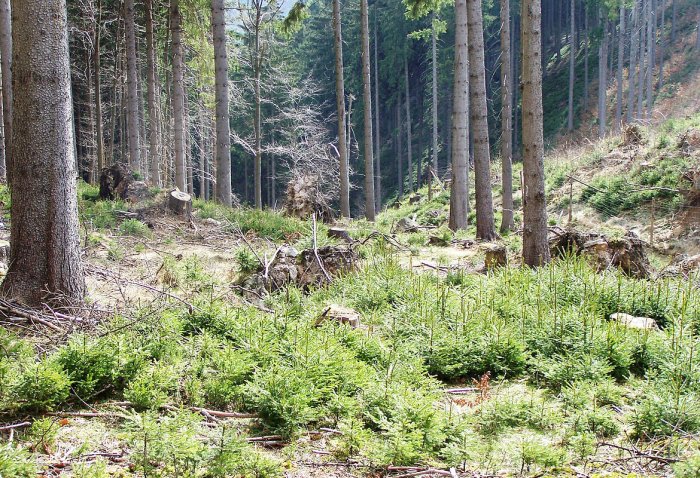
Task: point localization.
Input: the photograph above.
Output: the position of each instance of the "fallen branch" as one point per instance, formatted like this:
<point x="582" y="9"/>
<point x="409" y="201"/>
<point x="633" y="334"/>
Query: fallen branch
<point x="642" y="454"/>
<point x="14" y="426"/>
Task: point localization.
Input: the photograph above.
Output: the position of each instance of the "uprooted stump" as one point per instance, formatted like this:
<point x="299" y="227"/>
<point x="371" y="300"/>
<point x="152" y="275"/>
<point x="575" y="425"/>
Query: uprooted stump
<point x="116" y="182"/>
<point x="179" y="203"/>
<point x="626" y="253"/>
<point x="340" y="315"/>
<point x="306" y="197"/>
<point x="632" y="135"/>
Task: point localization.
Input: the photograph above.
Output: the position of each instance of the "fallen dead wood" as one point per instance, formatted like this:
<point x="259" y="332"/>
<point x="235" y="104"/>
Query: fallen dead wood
<point x="636" y="453"/>
<point x="14" y="426"/>
<point x="14" y="310"/>
<point x="420" y="471"/>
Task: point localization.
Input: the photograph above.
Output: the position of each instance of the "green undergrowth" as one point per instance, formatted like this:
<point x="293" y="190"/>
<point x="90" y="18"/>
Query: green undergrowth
<point x="555" y="375"/>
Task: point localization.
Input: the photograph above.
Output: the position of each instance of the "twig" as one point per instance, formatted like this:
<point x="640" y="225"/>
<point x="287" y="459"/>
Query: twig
<point x="16" y="425"/>
<point x="320" y="262"/>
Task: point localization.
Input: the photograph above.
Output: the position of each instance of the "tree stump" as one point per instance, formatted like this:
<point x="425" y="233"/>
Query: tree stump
<point x="496" y="256"/>
<point x="340" y="233"/>
<point x="340" y="315"/>
<point x="179" y="203"/>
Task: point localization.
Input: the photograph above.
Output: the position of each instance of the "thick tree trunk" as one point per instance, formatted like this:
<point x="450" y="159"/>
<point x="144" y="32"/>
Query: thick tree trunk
<point x="223" y="128"/>
<point x="340" y="102"/>
<point x="6" y="54"/>
<point x="178" y="95"/>
<point x="620" y="68"/>
<point x="378" y="146"/>
<point x="132" y="104"/>
<point x="459" y="195"/>
<point x="367" y="107"/>
<point x="535" y="244"/>
<point x="485" y="228"/>
<point x="409" y="128"/>
<point x="153" y="137"/>
<point x="642" y="60"/>
<point x="603" y="77"/>
<point x="45" y="259"/>
<point x="572" y="65"/>
<point x="631" y="75"/>
<point x="507" y="223"/>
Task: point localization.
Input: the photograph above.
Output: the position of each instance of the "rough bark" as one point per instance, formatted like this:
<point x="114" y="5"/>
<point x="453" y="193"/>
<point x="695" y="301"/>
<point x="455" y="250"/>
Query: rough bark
<point x="257" y="70"/>
<point x="6" y="54"/>
<point x="586" y="43"/>
<point x="662" y="45"/>
<point x="378" y="146"/>
<point x="153" y="138"/>
<point x="132" y="104"/>
<point x="697" y="37"/>
<point x="572" y="65"/>
<point x="340" y="102"/>
<point x="178" y="95"/>
<point x="535" y="245"/>
<point x="650" y="59"/>
<point x="367" y="107"/>
<point x="674" y="13"/>
<point x="399" y="145"/>
<point x="409" y="128"/>
<point x="507" y="223"/>
<point x="223" y="128"/>
<point x="631" y="75"/>
<point x="459" y="196"/>
<point x="642" y="59"/>
<point x="45" y="245"/>
<point x="603" y="77"/>
<point x="485" y="228"/>
<point x="620" y="68"/>
<point x="97" y="85"/>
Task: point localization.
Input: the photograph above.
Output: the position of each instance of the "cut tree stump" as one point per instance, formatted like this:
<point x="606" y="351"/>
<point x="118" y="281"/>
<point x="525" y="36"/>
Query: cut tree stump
<point x="340" y="233"/>
<point x="496" y="255"/>
<point x="340" y="315"/>
<point x="179" y="203"/>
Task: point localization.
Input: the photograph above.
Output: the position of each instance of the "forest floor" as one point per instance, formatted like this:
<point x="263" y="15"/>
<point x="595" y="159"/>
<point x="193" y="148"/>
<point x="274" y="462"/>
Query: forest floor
<point x="177" y="368"/>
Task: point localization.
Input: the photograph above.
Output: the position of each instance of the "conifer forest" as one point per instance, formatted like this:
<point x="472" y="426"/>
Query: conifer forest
<point x="349" y="238"/>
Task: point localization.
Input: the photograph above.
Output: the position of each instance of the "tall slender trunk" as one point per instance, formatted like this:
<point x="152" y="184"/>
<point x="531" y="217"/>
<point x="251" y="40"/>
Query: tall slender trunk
<point x="507" y="223"/>
<point x="631" y="75"/>
<point x="620" y="68"/>
<point x="151" y="96"/>
<point x="223" y="128"/>
<point x="367" y="107"/>
<point x="697" y="36"/>
<point x="178" y="95"/>
<point x="515" y="54"/>
<point x="409" y="128"/>
<point x="459" y="195"/>
<point x="257" y="69"/>
<point x="603" y="77"/>
<point x="485" y="228"/>
<point x="586" y="43"/>
<point x="572" y="65"/>
<point x="535" y="245"/>
<point x="399" y="145"/>
<point x="642" y="60"/>
<point x="340" y="102"/>
<point x="132" y="104"/>
<point x="378" y="154"/>
<point x="45" y="261"/>
<point x="98" y="88"/>
<point x="674" y="10"/>
<point x="662" y="46"/>
<point x="435" y="96"/>
<point x="650" y="59"/>
<point x="7" y="97"/>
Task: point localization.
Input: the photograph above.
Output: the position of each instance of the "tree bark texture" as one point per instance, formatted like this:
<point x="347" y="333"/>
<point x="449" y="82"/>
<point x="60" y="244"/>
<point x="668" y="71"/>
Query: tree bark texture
<point x="132" y="104"/>
<point x="223" y="128"/>
<point x="535" y="244"/>
<point x="178" y="95"/>
<point x="6" y="59"/>
<point x="507" y="223"/>
<point x="154" y="139"/>
<point x="45" y="259"/>
<point x="367" y="107"/>
<point x="340" y="103"/>
<point x="485" y="228"/>
<point x="459" y="196"/>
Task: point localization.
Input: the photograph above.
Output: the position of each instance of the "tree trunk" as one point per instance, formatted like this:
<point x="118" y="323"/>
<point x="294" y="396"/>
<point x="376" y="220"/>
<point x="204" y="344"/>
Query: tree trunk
<point x="151" y="96"/>
<point x="409" y="128"/>
<point x="399" y="147"/>
<point x="435" y="98"/>
<point x="697" y="37"/>
<point x="507" y="223"/>
<point x="100" y="147"/>
<point x="620" y="68"/>
<point x="674" y="10"/>
<point x="485" y="228"/>
<point x="178" y="95"/>
<point x="45" y="259"/>
<point x="340" y="102"/>
<point x="257" y="69"/>
<point x="223" y="128"/>
<point x="586" y="43"/>
<point x="6" y="53"/>
<point x="631" y="75"/>
<point x="642" y="59"/>
<point x="132" y="104"/>
<point x="378" y="147"/>
<point x="459" y="195"/>
<point x="367" y="107"/>
<point x="535" y="245"/>
<point x="662" y="45"/>
<point x="572" y="66"/>
<point x="650" y="59"/>
<point x="603" y="77"/>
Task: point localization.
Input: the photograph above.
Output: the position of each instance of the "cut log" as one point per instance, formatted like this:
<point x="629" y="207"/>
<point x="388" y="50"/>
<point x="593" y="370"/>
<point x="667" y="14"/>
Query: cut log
<point x="340" y="233"/>
<point x="179" y="203"/>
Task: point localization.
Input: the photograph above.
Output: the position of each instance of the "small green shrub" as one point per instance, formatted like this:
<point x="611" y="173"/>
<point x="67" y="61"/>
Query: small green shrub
<point x="41" y="387"/>
<point x="247" y="262"/>
<point x="42" y="434"/>
<point x="661" y="415"/>
<point x="134" y="227"/>
<point x="689" y="468"/>
<point x="152" y="387"/>
<point x="16" y="462"/>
